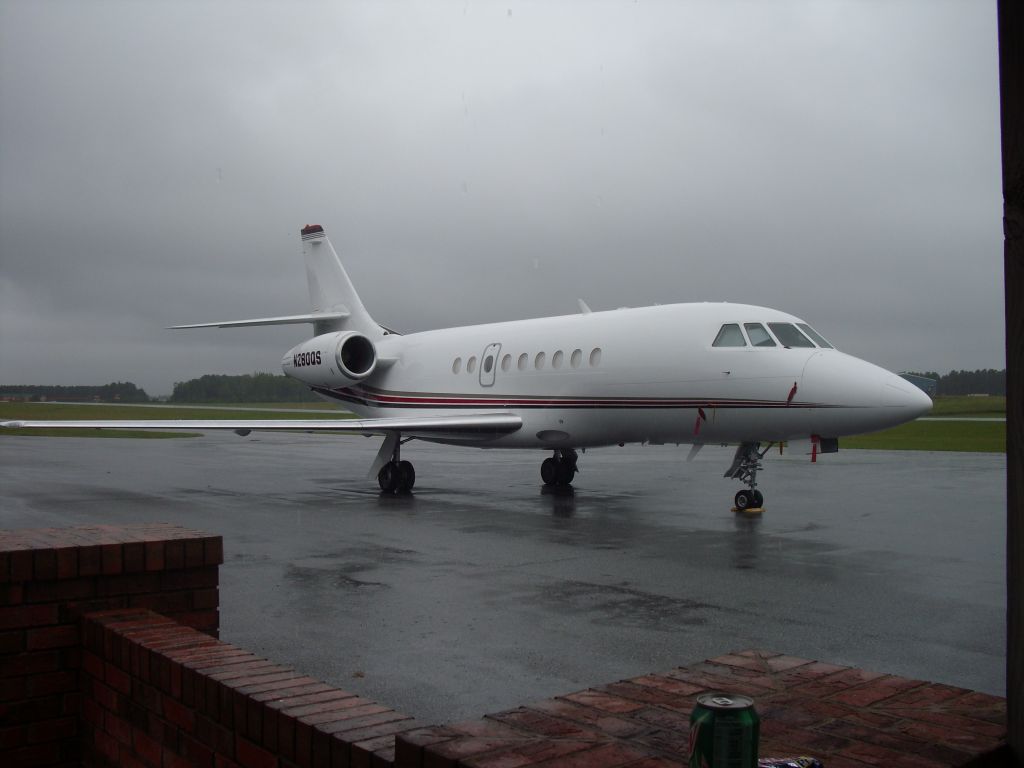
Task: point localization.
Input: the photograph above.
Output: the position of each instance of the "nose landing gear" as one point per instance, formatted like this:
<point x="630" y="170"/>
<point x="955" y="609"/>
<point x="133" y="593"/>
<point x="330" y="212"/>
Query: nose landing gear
<point x="559" y="469"/>
<point x="745" y="465"/>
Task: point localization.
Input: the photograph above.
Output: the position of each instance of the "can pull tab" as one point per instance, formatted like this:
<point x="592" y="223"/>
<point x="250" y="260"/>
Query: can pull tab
<point x="722" y="701"/>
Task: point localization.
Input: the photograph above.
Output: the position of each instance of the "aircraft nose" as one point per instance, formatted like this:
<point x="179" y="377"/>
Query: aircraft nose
<point x="858" y="396"/>
<point x="897" y="392"/>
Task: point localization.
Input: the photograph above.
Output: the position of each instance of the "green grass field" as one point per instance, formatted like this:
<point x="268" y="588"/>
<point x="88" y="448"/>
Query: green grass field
<point x="975" y="436"/>
<point x="994" y="405"/>
<point x="972" y="436"/>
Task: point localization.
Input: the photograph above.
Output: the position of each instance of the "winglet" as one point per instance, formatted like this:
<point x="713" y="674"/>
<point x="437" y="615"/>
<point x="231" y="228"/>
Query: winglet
<point x="312" y="232"/>
<point x="584" y="309"/>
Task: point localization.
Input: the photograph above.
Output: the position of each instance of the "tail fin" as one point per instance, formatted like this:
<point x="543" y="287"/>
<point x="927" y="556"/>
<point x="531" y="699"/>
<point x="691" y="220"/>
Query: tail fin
<point x="330" y="290"/>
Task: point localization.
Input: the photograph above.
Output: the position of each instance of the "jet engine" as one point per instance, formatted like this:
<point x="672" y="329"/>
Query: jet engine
<point x="331" y="360"/>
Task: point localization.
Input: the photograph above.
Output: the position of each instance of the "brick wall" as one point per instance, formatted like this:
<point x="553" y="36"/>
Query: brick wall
<point x="157" y="693"/>
<point x="48" y="579"/>
<point x="847" y="717"/>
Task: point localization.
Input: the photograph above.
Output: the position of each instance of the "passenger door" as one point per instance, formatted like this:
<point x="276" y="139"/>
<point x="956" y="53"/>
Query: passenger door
<point x="489" y="364"/>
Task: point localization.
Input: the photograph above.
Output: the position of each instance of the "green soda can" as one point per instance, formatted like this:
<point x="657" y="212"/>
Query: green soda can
<point x="724" y="730"/>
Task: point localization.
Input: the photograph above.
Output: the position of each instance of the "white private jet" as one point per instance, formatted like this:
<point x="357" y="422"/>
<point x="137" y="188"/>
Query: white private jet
<point x="681" y="373"/>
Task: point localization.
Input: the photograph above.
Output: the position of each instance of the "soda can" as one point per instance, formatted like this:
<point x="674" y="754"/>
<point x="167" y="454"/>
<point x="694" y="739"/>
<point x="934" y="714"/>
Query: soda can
<point x="724" y="730"/>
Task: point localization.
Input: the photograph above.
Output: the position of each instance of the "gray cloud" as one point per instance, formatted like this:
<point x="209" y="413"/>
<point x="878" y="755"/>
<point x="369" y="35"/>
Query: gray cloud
<point x="477" y="162"/>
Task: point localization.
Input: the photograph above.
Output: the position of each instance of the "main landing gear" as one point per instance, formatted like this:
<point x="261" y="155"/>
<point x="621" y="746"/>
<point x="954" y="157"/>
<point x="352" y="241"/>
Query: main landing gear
<point x="744" y="468"/>
<point x="397" y="476"/>
<point x="558" y="470"/>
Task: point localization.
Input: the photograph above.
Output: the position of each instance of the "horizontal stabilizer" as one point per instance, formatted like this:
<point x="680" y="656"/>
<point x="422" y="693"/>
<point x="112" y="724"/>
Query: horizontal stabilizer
<point x="481" y="426"/>
<point x="314" y="317"/>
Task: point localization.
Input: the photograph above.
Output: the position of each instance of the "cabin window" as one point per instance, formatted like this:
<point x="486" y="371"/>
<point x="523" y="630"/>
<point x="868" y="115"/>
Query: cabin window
<point x="538" y="361"/>
<point x="457" y="365"/>
<point x="556" y="359"/>
<point x="471" y="364"/>
<point x="789" y="336"/>
<point x="730" y="335"/>
<point x="506" y="362"/>
<point x="576" y="358"/>
<point x="488" y="363"/>
<point x="523" y="362"/>
<point x="817" y="337"/>
<point x="758" y="336"/>
<point x="595" y="357"/>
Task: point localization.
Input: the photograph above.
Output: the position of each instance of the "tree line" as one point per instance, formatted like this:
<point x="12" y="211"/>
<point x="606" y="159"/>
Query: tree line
<point x="275" y="388"/>
<point x="249" y="388"/>
<point x="118" y="391"/>
<point x="986" y="381"/>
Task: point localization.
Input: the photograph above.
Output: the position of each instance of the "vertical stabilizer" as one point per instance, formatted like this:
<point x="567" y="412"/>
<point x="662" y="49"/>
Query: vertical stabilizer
<point x="330" y="289"/>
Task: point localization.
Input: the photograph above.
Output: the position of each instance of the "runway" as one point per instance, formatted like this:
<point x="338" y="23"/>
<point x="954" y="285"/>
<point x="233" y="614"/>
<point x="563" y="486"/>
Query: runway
<point x="481" y="592"/>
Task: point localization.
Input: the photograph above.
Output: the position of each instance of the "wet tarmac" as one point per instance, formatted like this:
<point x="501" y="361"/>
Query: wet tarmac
<point x="481" y="591"/>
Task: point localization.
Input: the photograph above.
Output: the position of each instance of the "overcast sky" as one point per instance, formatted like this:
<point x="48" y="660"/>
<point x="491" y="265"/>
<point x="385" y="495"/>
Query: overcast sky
<point x="484" y="161"/>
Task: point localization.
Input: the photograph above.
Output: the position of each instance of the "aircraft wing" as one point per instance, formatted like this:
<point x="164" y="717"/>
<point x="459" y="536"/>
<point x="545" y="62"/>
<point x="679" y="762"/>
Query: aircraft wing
<point x="315" y="317"/>
<point x="471" y="425"/>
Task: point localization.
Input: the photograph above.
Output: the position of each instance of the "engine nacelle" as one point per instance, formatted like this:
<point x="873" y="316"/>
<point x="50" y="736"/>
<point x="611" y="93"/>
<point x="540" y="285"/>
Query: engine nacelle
<point x="331" y="360"/>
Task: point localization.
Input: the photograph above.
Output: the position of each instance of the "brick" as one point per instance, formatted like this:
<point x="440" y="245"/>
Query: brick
<point x="134" y="557"/>
<point x="875" y="691"/>
<point x="12" y="642"/>
<point x="205" y="599"/>
<point x="195" y="751"/>
<point x="174" y="555"/>
<point x="12" y="594"/>
<point x="36" y="754"/>
<point x="284" y="683"/>
<point x="311" y="710"/>
<point x="117" y="727"/>
<point x="530" y="753"/>
<point x="154" y="555"/>
<point x="213" y="550"/>
<point x="12" y="688"/>
<point x="610" y="724"/>
<point x="171" y="759"/>
<point x="29" y="663"/>
<point x="67" y="562"/>
<point x="392" y="725"/>
<point x="179" y="715"/>
<point x="90" y="561"/>
<point x="18" y="616"/>
<point x="194" y="553"/>
<point x="31" y="710"/>
<point x="111" y="561"/>
<point x="667" y="684"/>
<point x="542" y="724"/>
<point x="146" y="747"/>
<point x="64" y="681"/>
<point x="603" y="701"/>
<point x="21" y="565"/>
<point x="249" y="754"/>
<point x="12" y="737"/>
<point x="61" y="636"/>
<point x="308" y="692"/>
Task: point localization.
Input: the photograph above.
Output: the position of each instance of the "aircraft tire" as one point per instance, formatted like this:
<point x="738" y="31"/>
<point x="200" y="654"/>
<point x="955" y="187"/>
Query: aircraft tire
<point x="744" y="500"/>
<point x="549" y="471"/>
<point x="758" y="498"/>
<point x="387" y="478"/>
<point x="406" y="476"/>
<point x="564" y="473"/>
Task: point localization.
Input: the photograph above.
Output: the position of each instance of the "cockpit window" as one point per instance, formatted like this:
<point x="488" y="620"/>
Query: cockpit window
<point x="818" y="338"/>
<point x="789" y="336"/>
<point x="730" y="335"/>
<point x="759" y="337"/>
